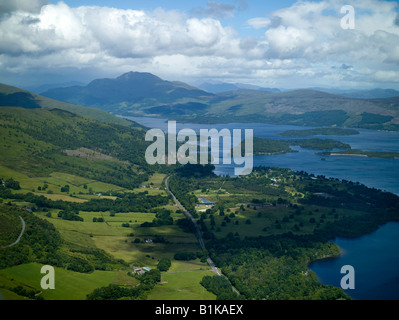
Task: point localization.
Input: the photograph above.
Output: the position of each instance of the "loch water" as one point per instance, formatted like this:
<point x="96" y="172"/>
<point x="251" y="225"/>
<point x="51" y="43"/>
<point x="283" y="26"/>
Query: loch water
<point x="375" y="257"/>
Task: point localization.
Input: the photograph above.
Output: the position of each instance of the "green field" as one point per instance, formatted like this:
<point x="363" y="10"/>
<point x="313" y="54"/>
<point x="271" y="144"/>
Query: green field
<point x="6" y="173"/>
<point x="182" y="286"/>
<point x="68" y="285"/>
<point x="118" y="241"/>
<point x="79" y="187"/>
<point x="109" y="236"/>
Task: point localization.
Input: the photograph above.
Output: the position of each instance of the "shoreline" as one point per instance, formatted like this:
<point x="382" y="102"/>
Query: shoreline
<point x="325" y="258"/>
<point x="349" y="154"/>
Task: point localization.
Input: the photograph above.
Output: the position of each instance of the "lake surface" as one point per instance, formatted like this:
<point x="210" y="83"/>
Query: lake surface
<point x="374" y="172"/>
<point x="375" y="257"/>
<point x="375" y="260"/>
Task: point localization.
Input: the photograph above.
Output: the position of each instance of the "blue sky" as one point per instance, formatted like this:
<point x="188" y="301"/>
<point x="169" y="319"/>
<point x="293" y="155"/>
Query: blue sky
<point x="183" y="5"/>
<point x="285" y="44"/>
<point x="243" y="9"/>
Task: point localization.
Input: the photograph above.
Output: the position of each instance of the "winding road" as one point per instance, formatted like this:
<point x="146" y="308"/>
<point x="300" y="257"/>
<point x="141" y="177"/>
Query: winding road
<point x="19" y="237"/>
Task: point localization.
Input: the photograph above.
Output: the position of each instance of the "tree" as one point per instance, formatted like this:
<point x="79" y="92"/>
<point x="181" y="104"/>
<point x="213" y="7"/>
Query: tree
<point x="312" y="220"/>
<point x="164" y="264"/>
<point x="65" y="189"/>
<point x="12" y="184"/>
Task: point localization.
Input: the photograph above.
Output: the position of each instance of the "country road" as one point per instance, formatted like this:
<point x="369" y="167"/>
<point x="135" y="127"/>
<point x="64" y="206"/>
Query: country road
<point x="199" y="236"/>
<point x="19" y="237"/>
<point x="200" y="239"/>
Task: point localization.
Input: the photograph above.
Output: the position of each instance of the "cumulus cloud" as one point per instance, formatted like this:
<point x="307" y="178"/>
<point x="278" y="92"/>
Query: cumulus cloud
<point x="311" y="32"/>
<point x="114" y="32"/>
<point x="304" y="41"/>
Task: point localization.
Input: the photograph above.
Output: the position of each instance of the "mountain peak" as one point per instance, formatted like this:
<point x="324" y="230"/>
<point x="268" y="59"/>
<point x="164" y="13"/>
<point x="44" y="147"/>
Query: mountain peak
<point x="138" y="76"/>
<point x="129" y="88"/>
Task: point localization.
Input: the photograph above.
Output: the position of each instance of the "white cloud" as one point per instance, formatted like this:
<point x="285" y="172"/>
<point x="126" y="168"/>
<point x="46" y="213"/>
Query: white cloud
<point x="303" y="41"/>
<point x="259" y="23"/>
<point x="311" y="31"/>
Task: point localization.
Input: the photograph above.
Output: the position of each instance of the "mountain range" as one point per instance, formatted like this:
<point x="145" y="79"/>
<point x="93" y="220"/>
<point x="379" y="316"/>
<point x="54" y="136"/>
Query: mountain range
<point x="217" y="87"/>
<point x="377" y="93"/>
<point x="144" y="94"/>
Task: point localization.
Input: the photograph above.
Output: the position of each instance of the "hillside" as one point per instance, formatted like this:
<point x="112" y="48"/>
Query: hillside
<point x="35" y="142"/>
<point x="363" y="94"/>
<point x="144" y="94"/>
<point x="15" y="97"/>
<point x="306" y="107"/>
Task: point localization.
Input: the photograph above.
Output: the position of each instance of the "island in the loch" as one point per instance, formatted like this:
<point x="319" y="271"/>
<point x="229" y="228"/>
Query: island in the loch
<point x="361" y="153"/>
<point x="328" y="147"/>
<point x="263" y="146"/>
<point x="319" y="132"/>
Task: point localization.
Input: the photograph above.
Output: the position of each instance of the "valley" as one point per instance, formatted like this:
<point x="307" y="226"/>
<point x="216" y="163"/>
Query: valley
<point x="97" y="211"/>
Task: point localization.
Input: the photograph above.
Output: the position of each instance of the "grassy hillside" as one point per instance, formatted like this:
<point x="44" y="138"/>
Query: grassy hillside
<point x="36" y="142"/>
<point x="15" y="97"/>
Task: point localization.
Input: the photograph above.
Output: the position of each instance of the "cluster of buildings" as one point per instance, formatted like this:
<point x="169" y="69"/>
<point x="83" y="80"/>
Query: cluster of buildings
<point x="141" y="270"/>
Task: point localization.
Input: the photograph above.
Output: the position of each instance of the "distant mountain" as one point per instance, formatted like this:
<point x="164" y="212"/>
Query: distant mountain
<point x="44" y="87"/>
<point x="218" y="87"/>
<point x="224" y="87"/>
<point x="364" y="94"/>
<point x="298" y="107"/>
<point x="129" y="90"/>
